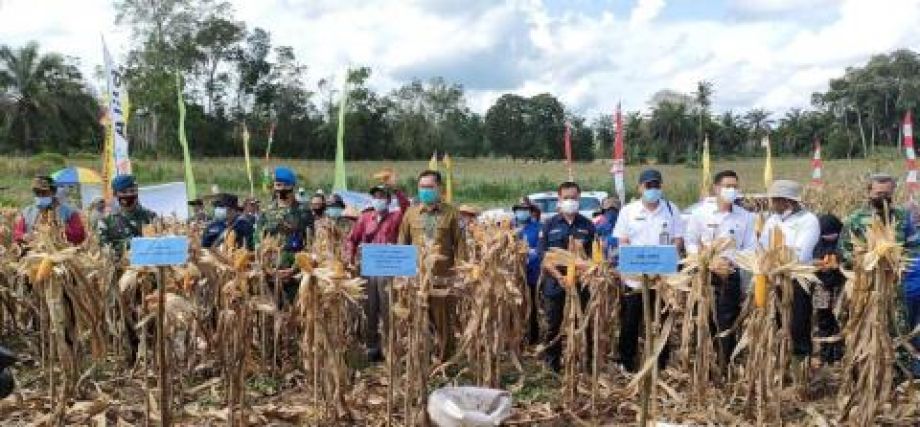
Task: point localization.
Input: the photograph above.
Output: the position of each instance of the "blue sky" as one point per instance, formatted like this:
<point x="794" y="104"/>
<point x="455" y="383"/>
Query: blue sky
<point x="770" y="54"/>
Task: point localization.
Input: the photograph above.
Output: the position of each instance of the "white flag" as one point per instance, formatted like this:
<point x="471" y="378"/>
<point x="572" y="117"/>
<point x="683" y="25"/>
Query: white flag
<point x="115" y="88"/>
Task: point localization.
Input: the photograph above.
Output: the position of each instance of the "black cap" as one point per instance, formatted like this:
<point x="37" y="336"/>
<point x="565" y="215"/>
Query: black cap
<point x="196" y="202"/>
<point x="335" y="201"/>
<point x="383" y="188"/>
<point x="226" y="200"/>
<point x="649" y="175"/>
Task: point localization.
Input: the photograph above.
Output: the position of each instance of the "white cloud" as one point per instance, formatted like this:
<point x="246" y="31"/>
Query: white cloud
<point x="775" y="59"/>
<point x="645" y="11"/>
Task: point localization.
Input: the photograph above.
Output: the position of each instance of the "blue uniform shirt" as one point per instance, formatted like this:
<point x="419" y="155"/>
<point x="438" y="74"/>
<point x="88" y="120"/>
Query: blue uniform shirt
<point x="556" y="234"/>
<point x="529" y="231"/>
<point x="214" y="234"/>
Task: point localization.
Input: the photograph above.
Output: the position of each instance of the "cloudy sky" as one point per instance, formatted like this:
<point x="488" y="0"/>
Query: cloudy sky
<point x="590" y="53"/>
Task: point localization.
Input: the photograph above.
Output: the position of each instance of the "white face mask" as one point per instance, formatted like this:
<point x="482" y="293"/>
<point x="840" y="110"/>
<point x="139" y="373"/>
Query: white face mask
<point x="568" y="207"/>
<point x="729" y="195"/>
<point x="220" y="214"/>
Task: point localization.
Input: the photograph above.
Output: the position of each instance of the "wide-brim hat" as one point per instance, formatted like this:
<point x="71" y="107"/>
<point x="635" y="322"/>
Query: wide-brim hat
<point x="525" y="204"/>
<point x="469" y="210"/>
<point x="785" y="189"/>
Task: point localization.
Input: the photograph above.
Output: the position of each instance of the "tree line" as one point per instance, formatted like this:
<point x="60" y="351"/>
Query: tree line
<point x="235" y="74"/>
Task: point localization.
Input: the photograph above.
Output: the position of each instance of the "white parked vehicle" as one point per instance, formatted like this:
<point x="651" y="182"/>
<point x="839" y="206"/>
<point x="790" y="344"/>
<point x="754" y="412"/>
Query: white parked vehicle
<point x="547" y="202"/>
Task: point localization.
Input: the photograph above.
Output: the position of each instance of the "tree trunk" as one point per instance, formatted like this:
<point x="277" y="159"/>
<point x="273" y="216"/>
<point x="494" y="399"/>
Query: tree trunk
<point x="862" y="132"/>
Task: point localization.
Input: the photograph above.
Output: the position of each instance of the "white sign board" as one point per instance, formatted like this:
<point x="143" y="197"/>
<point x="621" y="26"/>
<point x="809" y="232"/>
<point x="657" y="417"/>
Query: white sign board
<point x="164" y="199"/>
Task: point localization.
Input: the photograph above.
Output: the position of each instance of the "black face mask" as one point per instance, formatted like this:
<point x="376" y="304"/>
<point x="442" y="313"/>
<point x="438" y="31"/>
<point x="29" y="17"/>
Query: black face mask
<point x="879" y="203"/>
<point x="283" y="194"/>
<point x="127" y="201"/>
<point x="318" y="212"/>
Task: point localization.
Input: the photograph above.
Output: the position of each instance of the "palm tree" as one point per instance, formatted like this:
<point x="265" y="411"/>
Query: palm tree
<point x="42" y="96"/>
<point x="759" y="122"/>
<point x="703" y="98"/>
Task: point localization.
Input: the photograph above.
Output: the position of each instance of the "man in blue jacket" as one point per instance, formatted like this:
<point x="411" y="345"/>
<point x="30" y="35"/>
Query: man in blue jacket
<point x="527" y="223"/>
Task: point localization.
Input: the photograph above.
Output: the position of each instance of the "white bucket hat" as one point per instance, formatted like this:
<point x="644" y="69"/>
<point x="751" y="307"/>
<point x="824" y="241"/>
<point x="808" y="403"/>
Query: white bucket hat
<point x="785" y="189"/>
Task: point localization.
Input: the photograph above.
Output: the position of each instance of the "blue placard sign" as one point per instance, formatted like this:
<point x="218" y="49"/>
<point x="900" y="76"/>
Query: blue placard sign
<point x="648" y="259"/>
<point x="389" y="260"/>
<point x="159" y="251"/>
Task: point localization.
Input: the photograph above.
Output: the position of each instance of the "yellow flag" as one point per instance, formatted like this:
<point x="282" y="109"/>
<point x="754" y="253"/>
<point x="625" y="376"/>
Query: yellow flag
<point x="449" y="178"/>
<point x="705" y="183"/>
<point x="768" y="164"/>
<point x="108" y="151"/>
<point x="433" y="163"/>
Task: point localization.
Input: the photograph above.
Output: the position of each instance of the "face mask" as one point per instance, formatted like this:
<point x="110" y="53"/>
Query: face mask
<point x="428" y="196"/>
<point x="283" y="194"/>
<point x="220" y="214"/>
<point x="334" y="212"/>
<point x="44" y="202"/>
<point x="521" y="216"/>
<point x="728" y="194"/>
<point x="380" y="205"/>
<point x="879" y="203"/>
<point x="127" y="201"/>
<point x="651" y="195"/>
<point x="318" y="212"/>
<point x="568" y="207"/>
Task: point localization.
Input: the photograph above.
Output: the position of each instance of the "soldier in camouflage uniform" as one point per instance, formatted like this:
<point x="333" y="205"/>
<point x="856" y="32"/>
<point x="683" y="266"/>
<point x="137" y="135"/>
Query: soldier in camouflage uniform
<point x="116" y="232"/>
<point x="287" y="220"/>
<point x="881" y="188"/>
<point x="117" y="229"/>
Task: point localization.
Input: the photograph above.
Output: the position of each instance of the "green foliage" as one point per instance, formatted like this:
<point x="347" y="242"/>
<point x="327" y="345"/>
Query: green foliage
<point x="235" y="74"/>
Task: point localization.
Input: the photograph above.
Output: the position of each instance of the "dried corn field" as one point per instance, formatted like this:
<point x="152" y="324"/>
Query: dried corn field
<point x="217" y="342"/>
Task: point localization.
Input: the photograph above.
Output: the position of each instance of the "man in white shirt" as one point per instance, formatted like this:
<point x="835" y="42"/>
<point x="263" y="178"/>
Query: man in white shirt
<point x="801" y="232"/>
<point x="652" y="220"/>
<point x="719" y="217"/>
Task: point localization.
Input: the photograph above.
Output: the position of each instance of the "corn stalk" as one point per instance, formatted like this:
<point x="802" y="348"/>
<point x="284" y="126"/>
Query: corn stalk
<point x="766" y="320"/>
<point x="871" y="301"/>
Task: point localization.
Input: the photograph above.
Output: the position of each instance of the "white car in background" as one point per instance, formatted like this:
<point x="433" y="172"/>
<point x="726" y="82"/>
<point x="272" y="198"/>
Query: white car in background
<point x="548" y="201"/>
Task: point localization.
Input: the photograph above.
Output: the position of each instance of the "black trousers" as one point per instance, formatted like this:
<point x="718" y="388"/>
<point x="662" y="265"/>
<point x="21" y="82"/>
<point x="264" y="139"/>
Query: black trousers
<point x="727" y="294"/>
<point x="533" y="322"/>
<point x="631" y="326"/>
<point x="555" y="310"/>
<point x="801" y="322"/>
<point x="827" y="326"/>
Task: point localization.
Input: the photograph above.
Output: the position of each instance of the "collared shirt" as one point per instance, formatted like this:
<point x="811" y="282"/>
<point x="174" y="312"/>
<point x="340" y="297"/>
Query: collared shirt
<point x="372" y="227"/>
<point x="708" y="223"/>
<point x="529" y="232"/>
<point x="637" y="225"/>
<point x="440" y="223"/>
<point x="801" y="231"/>
<point x="556" y="234"/>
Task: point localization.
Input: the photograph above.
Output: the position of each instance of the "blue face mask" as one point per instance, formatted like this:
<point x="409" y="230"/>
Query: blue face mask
<point x="334" y="212"/>
<point x="220" y="214"/>
<point x="428" y="196"/>
<point x="44" y="202"/>
<point x="651" y="195"/>
<point x="521" y="216"/>
<point x="380" y="205"/>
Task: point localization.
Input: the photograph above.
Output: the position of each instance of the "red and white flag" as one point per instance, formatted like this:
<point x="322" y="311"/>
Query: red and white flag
<point x="619" y="165"/>
<point x="568" y="148"/>
<point x="909" y="152"/>
<point x="816" y="165"/>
